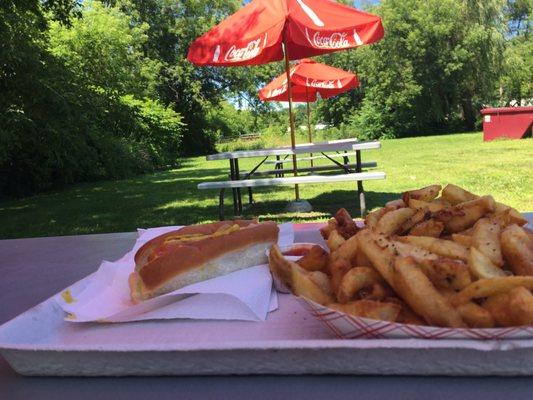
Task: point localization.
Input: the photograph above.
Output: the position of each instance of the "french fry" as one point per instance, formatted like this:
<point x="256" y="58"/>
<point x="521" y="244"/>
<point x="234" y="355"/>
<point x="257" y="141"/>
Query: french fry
<point x="473" y="314"/>
<point x="338" y="269"/>
<point x="361" y="260"/>
<point x="440" y="200"/>
<point x="472" y="211"/>
<point x="521" y="302"/>
<point x="322" y="281"/>
<point x="398" y="203"/>
<point x="481" y="267"/>
<point x="381" y="258"/>
<point x="408" y="316"/>
<point x="369" y="309"/>
<point x="512" y="214"/>
<point x="512" y="308"/>
<point x="502" y="218"/>
<point x="345" y="224"/>
<point x="421" y="204"/>
<point x="499" y="308"/>
<point x="427" y="193"/>
<point x="331" y="226"/>
<point x="486" y="238"/>
<point x="442" y="272"/>
<point x="391" y="222"/>
<point x="378" y="291"/>
<point x="373" y="217"/>
<point x="354" y="280"/>
<point x="280" y="267"/>
<point x="409" y="250"/>
<point x="454" y="194"/>
<point x="476" y="316"/>
<point x="517" y="248"/>
<point x="430" y="227"/>
<point x="315" y="260"/>
<point x="446" y="214"/>
<point x="334" y="241"/>
<point x="446" y="273"/>
<point x="346" y="250"/>
<point x="462" y="239"/>
<point x="489" y="287"/>
<point x="418" y="291"/>
<point x="467" y="232"/>
<point x="446" y="248"/>
<point x="416" y="218"/>
<point x="303" y="285"/>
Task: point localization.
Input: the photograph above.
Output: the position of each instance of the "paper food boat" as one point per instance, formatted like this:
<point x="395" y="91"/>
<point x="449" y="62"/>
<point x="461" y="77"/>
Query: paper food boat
<point x="346" y="326"/>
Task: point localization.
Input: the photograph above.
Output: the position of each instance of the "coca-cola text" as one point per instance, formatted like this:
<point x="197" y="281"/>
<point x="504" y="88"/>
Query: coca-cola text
<point x="335" y="40"/>
<point x="251" y="50"/>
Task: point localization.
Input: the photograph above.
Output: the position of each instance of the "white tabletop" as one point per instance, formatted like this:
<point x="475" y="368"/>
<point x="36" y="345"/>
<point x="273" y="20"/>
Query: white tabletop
<point x="333" y="145"/>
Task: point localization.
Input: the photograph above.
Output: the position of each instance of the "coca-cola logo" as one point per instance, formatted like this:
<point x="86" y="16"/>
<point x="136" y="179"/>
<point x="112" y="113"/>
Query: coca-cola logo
<point x="276" y="92"/>
<point x="251" y="50"/>
<point x="321" y="84"/>
<point x="335" y="40"/>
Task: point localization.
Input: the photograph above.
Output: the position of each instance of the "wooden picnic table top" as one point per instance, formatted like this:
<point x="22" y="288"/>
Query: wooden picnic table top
<point x="334" y="145"/>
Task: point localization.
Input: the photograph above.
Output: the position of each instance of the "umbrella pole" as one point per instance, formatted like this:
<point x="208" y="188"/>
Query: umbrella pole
<point x="309" y="129"/>
<point x="291" y="119"/>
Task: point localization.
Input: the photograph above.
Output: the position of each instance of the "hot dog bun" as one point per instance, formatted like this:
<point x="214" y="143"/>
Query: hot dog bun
<point x="197" y="253"/>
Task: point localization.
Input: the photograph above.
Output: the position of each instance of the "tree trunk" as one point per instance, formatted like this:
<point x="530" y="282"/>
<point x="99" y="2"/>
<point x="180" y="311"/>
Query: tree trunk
<point x="469" y="114"/>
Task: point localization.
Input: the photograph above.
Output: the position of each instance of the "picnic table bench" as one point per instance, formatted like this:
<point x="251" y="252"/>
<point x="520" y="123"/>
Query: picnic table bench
<point x="319" y="168"/>
<point x="238" y="180"/>
<point x="311" y="158"/>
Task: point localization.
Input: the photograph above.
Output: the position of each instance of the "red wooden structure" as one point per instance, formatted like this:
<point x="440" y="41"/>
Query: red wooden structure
<point x="509" y="122"/>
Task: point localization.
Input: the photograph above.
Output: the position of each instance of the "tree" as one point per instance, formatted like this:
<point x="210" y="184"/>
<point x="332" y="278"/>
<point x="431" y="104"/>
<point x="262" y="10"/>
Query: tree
<point x="516" y="82"/>
<point x="57" y="126"/>
<point x="518" y="15"/>
<point x="437" y="63"/>
<point x="104" y="49"/>
<point x="195" y="91"/>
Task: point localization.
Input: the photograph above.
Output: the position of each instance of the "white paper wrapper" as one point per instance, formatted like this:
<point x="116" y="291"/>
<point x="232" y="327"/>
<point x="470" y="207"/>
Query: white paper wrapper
<point x="242" y="295"/>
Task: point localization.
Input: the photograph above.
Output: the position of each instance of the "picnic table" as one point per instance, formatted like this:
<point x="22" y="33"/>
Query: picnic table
<point x="35" y="269"/>
<point x="341" y="148"/>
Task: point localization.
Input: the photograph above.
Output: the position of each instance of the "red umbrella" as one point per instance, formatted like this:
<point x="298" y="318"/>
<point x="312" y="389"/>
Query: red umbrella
<point x="309" y="79"/>
<point x="254" y="34"/>
<point x="270" y="30"/>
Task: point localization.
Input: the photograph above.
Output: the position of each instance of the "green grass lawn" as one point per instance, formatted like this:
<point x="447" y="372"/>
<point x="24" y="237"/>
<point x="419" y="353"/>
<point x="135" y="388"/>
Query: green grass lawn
<point x="502" y="168"/>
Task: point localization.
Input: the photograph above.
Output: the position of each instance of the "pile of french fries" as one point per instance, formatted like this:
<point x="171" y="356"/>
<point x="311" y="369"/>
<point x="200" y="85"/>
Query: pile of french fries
<point x="458" y="260"/>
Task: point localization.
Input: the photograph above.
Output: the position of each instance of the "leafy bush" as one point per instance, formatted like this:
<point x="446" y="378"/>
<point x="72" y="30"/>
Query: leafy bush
<point x="57" y="125"/>
<point x="56" y="140"/>
<point x="155" y="126"/>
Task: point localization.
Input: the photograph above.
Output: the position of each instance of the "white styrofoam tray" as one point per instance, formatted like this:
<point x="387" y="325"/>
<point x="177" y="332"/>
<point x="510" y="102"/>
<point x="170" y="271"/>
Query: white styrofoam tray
<point x="290" y="341"/>
<point x="40" y="342"/>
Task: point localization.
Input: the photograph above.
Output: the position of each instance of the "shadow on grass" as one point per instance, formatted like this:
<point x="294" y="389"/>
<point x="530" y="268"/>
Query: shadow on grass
<point x="158" y="199"/>
<point x="324" y="205"/>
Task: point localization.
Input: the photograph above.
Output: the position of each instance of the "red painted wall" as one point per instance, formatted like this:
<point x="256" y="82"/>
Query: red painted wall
<point x="510" y="122"/>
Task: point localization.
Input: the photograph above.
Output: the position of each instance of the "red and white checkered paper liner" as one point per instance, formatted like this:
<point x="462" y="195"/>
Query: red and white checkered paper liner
<point x="346" y="326"/>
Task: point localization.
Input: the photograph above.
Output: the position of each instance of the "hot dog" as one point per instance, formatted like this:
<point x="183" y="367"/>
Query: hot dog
<point x="199" y="252"/>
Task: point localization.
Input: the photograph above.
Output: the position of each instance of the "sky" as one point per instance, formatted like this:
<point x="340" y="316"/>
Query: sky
<point x="360" y="3"/>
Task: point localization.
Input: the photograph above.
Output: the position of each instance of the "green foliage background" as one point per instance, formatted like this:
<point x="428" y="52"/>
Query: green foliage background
<point x="101" y="89"/>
